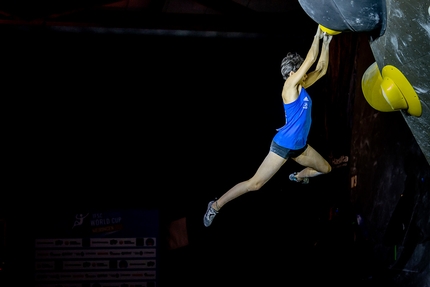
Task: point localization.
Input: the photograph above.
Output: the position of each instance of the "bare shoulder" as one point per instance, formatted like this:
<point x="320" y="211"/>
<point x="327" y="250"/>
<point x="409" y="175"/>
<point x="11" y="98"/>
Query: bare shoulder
<point x="290" y="92"/>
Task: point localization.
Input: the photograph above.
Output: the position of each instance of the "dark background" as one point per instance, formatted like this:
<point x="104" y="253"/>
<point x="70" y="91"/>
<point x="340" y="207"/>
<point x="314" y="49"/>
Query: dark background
<point x="125" y="120"/>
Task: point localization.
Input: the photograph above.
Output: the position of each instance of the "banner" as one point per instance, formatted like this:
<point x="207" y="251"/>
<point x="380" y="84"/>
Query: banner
<point x="98" y="248"/>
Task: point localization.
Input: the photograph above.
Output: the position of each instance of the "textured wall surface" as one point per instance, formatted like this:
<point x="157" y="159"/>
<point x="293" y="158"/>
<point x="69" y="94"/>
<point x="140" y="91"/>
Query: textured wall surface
<point x="406" y="45"/>
<point x="390" y="189"/>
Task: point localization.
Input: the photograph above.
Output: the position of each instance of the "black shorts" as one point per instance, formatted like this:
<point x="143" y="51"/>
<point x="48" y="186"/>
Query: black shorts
<point x="285" y="152"/>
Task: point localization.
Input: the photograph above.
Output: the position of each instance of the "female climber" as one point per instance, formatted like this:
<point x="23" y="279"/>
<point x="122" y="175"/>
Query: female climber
<point x="290" y="141"/>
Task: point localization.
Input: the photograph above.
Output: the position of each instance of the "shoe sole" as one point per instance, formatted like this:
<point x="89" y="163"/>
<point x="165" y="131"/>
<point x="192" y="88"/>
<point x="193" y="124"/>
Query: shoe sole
<point x="204" y="218"/>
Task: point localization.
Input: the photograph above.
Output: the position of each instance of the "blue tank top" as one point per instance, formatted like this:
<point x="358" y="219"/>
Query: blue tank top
<point x="294" y="134"/>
